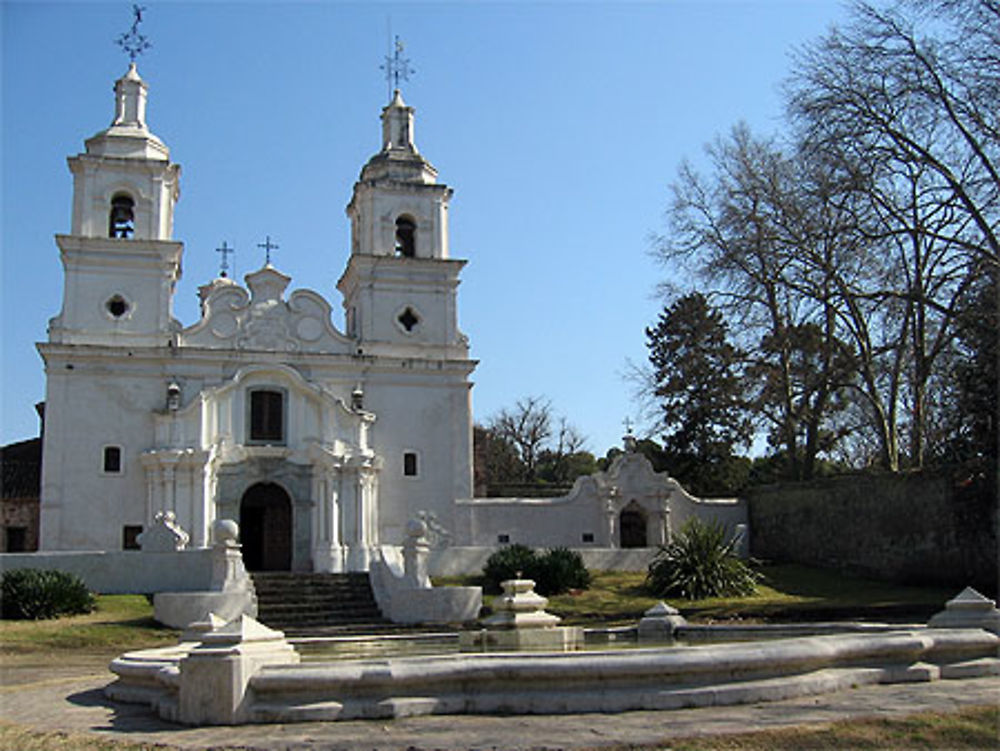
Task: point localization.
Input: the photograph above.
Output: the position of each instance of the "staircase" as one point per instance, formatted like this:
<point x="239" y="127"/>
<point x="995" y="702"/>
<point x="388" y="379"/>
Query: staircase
<point x="317" y="604"/>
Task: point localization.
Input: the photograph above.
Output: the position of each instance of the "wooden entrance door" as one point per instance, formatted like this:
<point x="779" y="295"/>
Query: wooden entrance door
<point x="266" y="528"/>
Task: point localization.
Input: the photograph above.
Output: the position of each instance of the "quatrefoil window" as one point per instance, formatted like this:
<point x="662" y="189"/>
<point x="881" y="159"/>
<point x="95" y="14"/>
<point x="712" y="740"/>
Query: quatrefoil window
<point x="408" y="319"/>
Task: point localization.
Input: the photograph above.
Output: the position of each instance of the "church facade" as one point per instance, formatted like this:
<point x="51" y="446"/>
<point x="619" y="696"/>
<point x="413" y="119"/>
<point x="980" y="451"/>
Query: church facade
<point x="323" y="443"/>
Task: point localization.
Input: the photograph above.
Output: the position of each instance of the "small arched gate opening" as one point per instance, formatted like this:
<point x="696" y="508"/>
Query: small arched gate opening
<point x="266" y="528"/>
<point x="632" y="526"/>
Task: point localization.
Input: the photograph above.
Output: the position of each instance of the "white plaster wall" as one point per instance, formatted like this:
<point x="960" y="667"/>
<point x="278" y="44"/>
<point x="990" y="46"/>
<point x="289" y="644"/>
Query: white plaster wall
<point x="562" y="521"/>
<point x="415" y="413"/>
<point x="729" y="511"/>
<point x="537" y="523"/>
<point x="101" y="401"/>
<point x="124" y="571"/>
<point x="141" y="272"/>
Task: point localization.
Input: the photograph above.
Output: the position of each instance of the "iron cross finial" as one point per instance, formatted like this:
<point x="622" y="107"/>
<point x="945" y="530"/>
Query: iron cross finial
<point x="225" y="250"/>
<point x="627" y="422"/>
<point x="397" y="68"/>
<point x="133" y="42"/>
<point x="268" y="246"/>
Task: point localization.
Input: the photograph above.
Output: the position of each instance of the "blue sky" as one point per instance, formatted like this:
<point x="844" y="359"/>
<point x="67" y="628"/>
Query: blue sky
<point x="559" y="125"/>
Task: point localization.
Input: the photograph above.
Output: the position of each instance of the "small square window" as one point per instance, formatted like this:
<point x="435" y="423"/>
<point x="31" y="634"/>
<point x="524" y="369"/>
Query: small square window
<point x="113" y="460"/>
<point x="410" y="464"/>
<point x="130" y="537"/>
<point x="588" y="536"/>
<point x="16" y="540"/>
<point x="503" y="539"/>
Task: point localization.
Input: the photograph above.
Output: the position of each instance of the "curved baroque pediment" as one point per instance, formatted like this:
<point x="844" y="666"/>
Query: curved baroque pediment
<point x="261" y="319"/>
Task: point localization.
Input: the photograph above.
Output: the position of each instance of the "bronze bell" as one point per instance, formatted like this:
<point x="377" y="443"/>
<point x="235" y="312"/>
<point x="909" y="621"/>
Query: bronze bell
<point x="122" y="219"/>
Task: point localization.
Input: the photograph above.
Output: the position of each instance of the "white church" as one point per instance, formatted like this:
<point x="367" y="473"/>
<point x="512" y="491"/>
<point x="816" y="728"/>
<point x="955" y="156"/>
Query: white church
<point x="322" y="444"/>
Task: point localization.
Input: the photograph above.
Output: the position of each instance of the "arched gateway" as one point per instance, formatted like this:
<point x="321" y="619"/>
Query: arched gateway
<point x="632" y="523"/>
<point x="266" y="528"/>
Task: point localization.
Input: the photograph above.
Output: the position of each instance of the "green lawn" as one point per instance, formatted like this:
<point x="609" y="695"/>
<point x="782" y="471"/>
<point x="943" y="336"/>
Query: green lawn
<point x="966" y="728"/>
<point x="119" y="622"/>
<point x="788" y="592"/>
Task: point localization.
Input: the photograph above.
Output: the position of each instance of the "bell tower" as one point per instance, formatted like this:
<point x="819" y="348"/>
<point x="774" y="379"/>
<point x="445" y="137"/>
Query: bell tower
<point x="400" y="285"/>
<point x="120" y="262"/>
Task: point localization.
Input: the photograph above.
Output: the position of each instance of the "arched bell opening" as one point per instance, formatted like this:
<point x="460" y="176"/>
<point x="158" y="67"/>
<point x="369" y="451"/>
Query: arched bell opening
<point x="266" y="528"/>
<point x="406" y="237"/>
<point x="121" y="219"/>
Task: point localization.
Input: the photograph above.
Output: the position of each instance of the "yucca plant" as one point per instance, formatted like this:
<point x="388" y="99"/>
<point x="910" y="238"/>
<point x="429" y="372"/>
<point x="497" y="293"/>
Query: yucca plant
<point x="699" y="562"/>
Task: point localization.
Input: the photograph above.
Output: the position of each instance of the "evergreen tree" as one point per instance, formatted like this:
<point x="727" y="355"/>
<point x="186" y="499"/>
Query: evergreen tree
<point x="698" y="382"/>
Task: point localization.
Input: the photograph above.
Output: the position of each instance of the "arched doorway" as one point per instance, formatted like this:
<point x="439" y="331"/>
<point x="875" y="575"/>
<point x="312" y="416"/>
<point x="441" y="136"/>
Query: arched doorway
<point x="632" y="526"/>
<point x="266" y="528"/>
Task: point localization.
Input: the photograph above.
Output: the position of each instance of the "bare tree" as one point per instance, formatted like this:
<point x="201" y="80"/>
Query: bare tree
<point x="914" y="84"/>
<point x="745" y="231"/>
<point x="909" y="121"/>
<point x="528" y="426"/>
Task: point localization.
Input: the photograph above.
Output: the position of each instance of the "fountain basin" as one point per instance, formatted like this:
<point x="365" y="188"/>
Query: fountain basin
<point x="558" y="682"/>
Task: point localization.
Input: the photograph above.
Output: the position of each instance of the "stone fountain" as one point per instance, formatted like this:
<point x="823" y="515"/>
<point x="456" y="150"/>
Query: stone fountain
<point x="520" y="622"/>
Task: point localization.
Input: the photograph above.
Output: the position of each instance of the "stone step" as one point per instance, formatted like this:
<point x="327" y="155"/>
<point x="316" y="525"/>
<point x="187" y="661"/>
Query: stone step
<point x="304" y="625"/>
<point x="290" y="610"/>
<point x="302" y="603"/>
<point x="312" y="596"/>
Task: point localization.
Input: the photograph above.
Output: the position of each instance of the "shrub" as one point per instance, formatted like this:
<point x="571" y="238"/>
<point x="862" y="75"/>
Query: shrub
<point x="699" y="562"/>
<point x="33" y="594"/>
<point x="560" y="570"/>
<point x="507" y="563"/>
<point x="553" y="572"/>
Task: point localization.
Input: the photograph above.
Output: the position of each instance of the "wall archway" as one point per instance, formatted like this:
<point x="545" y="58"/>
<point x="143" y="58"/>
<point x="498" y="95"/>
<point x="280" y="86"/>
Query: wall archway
<point x="632" y="527"/>
<point x="266" y="528"/>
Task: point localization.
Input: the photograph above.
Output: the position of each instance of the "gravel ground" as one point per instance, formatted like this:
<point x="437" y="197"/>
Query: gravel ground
<point x="69" y="697"/>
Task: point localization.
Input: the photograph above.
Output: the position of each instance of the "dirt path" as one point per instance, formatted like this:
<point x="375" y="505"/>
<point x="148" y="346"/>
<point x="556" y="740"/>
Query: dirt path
<point x="68" y="696"/>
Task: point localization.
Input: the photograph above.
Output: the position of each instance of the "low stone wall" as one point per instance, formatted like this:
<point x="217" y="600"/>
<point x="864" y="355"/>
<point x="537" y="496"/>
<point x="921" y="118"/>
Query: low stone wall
<point x="460" y="561"/>
<point x="921" y="528"/>
<point x="125" y="571"/>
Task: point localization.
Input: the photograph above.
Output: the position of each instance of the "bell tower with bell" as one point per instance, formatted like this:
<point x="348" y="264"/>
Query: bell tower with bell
<point x="400" y="285"/>
<point x="121" y="264"/>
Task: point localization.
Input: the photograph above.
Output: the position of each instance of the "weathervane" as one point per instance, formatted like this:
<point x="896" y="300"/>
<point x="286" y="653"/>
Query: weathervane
<point x="397" y="68"/>
<point x="268" y="246"/>
<point x="225" y="250"/>
<point x="133" y="42"/>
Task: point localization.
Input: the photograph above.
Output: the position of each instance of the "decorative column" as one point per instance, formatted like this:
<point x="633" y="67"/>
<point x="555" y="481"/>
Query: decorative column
<point x="361" y="516"/>
<point x="663" y="527"/>
<point x="327" y="549"/>
<point x="610" y="513"/>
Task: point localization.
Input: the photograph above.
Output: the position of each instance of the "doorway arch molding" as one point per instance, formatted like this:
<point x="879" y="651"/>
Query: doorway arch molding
<point x="233" y="481"/>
